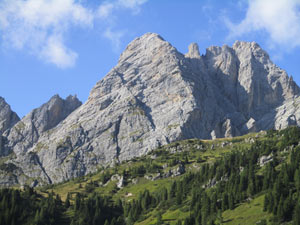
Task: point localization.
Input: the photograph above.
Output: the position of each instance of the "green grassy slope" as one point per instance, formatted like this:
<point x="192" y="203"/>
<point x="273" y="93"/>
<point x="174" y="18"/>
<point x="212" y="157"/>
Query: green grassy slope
<point x="195" y="156"/>
<point x="209" y="151"/>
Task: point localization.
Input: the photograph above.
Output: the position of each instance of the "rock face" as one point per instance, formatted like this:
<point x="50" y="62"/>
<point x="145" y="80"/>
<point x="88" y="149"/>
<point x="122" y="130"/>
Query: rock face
<point x="26" y="133"/>
<point x="8" y="118"/>
<point x="153" y="96"/>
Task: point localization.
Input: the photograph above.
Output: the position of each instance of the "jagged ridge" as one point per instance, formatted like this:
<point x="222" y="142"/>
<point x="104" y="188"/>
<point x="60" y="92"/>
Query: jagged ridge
<point x="156" y="95"/>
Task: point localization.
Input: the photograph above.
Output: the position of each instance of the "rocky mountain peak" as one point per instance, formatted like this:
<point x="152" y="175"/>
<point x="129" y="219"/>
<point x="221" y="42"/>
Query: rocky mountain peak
<point x="193" y="51"/>
<point x="134" y="65"/>
<point x="28" y="130"/>
<point x="153" y="96"/>
<point x="144" y="48"/>
<point x="8" y="118"/>
<point x="55" y="110"/>
<point x="256" y="51"/>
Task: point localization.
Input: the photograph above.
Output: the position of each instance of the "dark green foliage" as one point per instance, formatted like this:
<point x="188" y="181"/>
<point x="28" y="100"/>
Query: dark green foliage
<point x="27" y="207"/>
<point x="105" y="177"/>
<point x="282" y="189"/>
<point x="89" y="187"/>
<point x="159" y="219"/>
<point x="217" y="186"/>
<point x="137" y="171"/>
<point x="96" y="209"/>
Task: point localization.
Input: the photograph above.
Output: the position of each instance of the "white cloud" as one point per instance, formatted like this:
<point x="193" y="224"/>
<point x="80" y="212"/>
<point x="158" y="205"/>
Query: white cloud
<point x="34" y="25"/>
<point x="107" y="8"/>
<point x="132" y="4"/>
<point x="114" y="37"/>
<point x="280" y="19"/>
<point x="55" y="52"/>
<point x="40" y="26"/>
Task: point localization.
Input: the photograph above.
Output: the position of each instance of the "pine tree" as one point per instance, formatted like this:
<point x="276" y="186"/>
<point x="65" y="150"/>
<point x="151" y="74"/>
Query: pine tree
<point x="219" y="219"/>
<point x="113" y="221"/>
<point x="37" y="217"/>
<point x="77" y="202"/>
<point x="159" y="220"/>
<point x="186" y="160"/>
<point x="230" y="201"/>
<point x="172" y="192"/>
<point x="224" y="201"/>
<point x="179" y="197"/>
<point x="297" y="179"/>
<point x="67" y="202"/>
<point x="280" y="212"/>
<point x="296" y="216"/>
<point x="179" y="222"/>
<point x="266" y="202"/>
<point x="251" y="188"/>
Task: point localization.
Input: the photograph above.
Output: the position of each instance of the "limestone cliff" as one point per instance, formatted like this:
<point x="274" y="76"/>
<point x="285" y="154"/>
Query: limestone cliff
<point x="153" y="96"/>
<point x="8" y="118"/>
<point x="26" y="133"/>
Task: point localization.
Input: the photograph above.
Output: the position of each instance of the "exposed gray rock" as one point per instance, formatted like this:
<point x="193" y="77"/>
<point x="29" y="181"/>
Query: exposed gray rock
<point x="164" y="166"/>
<point x="250" y="140"/>
<point x="156" y="176"/>
<point x="135" y="180"/>
<point x="251" y="124"/>
<point x="265" y="159"/>
<point x="211" y="183"/>
<point x="8" y="118"/>
<point x="193" y="51"/>
<point x="24" y="134"/>
<point x="154" y="96"/>
<point x="119" y="179"/>
<point x="27" y="131"/>
<point x="115" y="177"/>
<point x="224" y="143"/>
<point x="178" y="170"/>
<point x="153" y="177"/>
<point x="120" y="183"/>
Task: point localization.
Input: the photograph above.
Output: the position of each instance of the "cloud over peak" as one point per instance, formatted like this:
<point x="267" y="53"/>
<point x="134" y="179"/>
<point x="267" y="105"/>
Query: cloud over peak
<point x="280" y="19"/>
<point x="40" y="26"/>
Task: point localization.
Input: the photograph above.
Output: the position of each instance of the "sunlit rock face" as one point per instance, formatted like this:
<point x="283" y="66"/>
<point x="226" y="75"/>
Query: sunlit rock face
<point x="153" y="96"/>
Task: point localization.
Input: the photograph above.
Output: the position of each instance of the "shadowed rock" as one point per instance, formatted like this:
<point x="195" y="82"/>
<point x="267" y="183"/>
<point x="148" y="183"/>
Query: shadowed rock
<point x="8" y="118"/>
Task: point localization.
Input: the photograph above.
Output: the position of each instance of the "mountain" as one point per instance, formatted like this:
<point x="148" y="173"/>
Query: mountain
<point x="155" y="95"/>
<point x="251" y="179"/>
<point x="8" y="118"/>
<point x="26" y="133"/>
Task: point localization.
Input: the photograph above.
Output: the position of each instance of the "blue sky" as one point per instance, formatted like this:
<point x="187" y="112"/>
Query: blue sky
<point x="64" y="47"/>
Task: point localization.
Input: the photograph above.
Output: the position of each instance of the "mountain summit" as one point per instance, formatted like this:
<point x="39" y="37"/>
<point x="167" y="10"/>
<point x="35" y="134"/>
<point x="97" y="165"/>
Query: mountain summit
<point x="153" y="96"/>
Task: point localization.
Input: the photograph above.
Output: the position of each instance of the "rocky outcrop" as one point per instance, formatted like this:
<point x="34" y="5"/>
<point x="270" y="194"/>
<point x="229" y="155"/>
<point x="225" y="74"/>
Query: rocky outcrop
<point x="8" y="118"/>
<point x="251" y="85"/>
<point x="26" y="133"/>
<point x="177" y="171"/>
<point x="263" y="160"/>
<point x="153" y="96"/>
<point x="193" y="52"/>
